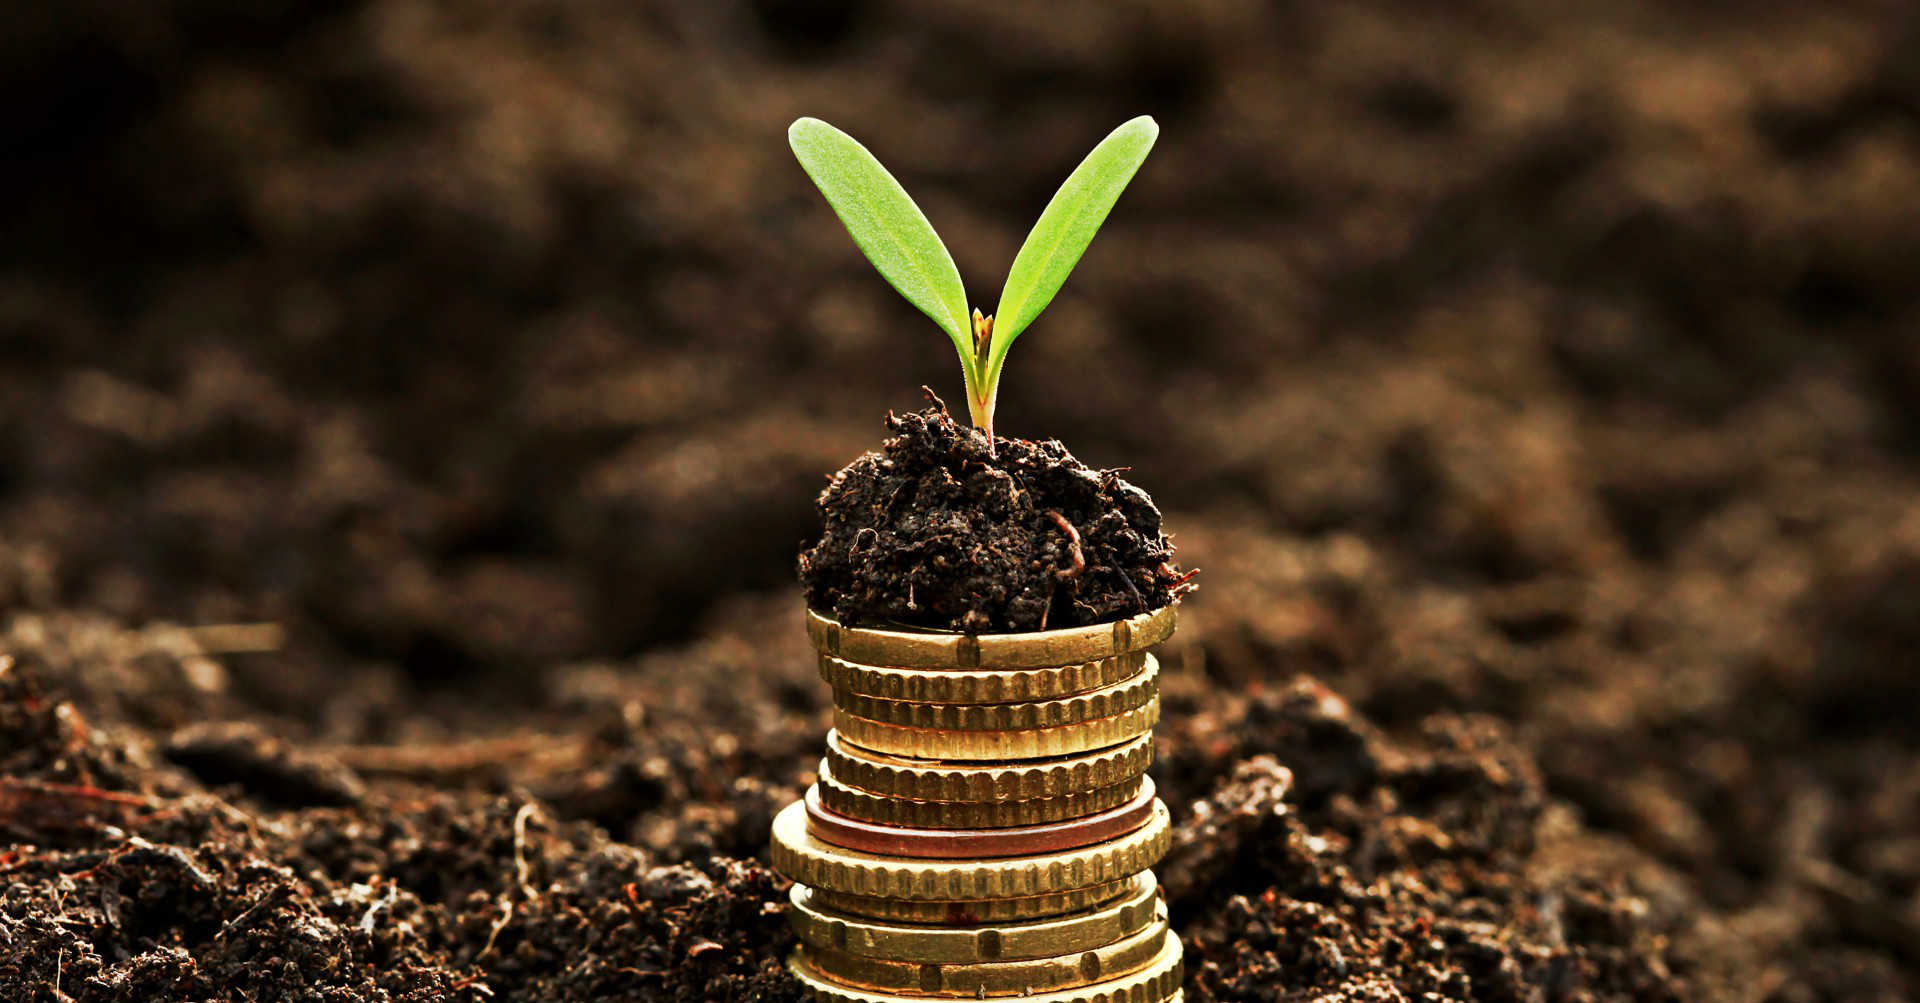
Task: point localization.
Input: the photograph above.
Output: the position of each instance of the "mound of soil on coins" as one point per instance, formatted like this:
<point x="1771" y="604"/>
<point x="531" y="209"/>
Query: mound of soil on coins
<point x="943" y="529"/>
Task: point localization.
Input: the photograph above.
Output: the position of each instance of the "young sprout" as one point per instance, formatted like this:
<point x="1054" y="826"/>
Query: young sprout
<point x="894" y="234"/>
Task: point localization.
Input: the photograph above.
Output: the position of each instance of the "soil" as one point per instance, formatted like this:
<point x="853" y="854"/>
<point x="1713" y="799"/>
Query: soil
<point x="409" y="412"/>
<point x="945" y="529"/>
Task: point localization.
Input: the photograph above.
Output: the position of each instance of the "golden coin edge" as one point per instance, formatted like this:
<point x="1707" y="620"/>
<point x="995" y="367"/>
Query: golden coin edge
<point x="913" y="943"/>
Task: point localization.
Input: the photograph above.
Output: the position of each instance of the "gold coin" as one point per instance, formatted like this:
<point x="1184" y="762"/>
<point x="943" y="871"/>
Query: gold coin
<point x="819" y="926"/>
<point x="1157" y="982"/>
<point x="801" y="857"/>
<point x="919" y="779"/>
<point x="993" y="978"/>
<point x="1028" y="650"/>
<point x="982" y="685"/>
<point x="856" y="803"/>
<point x="1107" y="702"/>
<point x="972" y="912"/>
<point x="1024" y="743"/>
<point x="964" y="844"/>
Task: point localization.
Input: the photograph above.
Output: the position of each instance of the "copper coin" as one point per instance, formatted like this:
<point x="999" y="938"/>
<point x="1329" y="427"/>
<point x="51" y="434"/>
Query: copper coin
<point x="963" y="844"/>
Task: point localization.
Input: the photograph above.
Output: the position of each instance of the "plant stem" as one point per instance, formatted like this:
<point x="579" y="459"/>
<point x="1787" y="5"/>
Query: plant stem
<point x="980" y="396"/>
<point x="981" y="408"/>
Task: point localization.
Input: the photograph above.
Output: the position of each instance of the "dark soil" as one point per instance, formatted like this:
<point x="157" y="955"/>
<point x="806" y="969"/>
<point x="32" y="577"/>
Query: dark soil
<point x="409" y="412"/>
<point x="943" y="529"/>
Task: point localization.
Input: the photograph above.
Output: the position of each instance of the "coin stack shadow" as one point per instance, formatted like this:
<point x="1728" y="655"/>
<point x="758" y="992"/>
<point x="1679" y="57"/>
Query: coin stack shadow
<point x="983" y="825"/>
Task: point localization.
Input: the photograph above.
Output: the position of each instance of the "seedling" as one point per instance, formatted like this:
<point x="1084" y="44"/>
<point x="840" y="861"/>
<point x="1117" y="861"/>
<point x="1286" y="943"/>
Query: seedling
<point x="894" y="234"/>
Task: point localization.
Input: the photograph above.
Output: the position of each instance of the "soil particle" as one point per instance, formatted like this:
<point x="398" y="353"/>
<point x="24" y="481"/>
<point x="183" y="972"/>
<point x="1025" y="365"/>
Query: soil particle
<point x="941" y="529"/>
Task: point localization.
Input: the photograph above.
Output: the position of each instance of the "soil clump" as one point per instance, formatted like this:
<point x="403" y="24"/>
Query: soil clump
<point x="943" y="529"/>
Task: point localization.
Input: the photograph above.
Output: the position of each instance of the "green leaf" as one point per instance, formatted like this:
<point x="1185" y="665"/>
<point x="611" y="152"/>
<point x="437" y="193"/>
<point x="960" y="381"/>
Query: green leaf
<point x="888" y="227"/>
<point x="1061" y="236"/>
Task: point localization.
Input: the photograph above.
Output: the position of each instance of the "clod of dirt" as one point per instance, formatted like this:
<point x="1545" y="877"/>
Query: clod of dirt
<point x="1243" y="816"/>
<point x="238" y="752"/>
<point x="1431" y="868"/>
<point x="940" y="529"/>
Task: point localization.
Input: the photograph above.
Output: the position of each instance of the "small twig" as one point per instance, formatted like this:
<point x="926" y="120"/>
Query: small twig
<point x="1073" y="543"/>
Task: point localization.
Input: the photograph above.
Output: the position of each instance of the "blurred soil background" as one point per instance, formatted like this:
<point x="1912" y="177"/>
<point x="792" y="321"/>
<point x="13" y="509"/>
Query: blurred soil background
<point x="410" y="412"/>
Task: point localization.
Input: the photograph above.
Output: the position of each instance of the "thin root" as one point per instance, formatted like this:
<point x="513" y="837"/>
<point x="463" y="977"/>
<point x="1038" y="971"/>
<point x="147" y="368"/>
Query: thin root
<point x="520" y="848"/>
<point x="506" y="916"/>
<point x="36" y="805"/>
<point x="1179" y="583"/>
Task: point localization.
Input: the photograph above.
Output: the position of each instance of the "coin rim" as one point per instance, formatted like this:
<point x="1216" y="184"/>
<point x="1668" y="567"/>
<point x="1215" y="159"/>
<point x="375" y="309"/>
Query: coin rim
<point x="960" y="844"/>
<point x="1022" y="743"/>
<point x="801" y="857"/>
<point x="979" y="686"/>
<point x="922" y="779"/>
<point x="884" y="810"/>
<point x="1159" y="982"/>
<point x="914" y="943"/>
<point x="978" y="911"/>
<point x="1107" y="701"/>
<point x="990" y="979"/>
<point x="1026" y="650"/>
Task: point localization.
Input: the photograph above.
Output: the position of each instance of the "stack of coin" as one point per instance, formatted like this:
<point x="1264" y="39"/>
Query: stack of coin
<point x="983" y="825"/>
